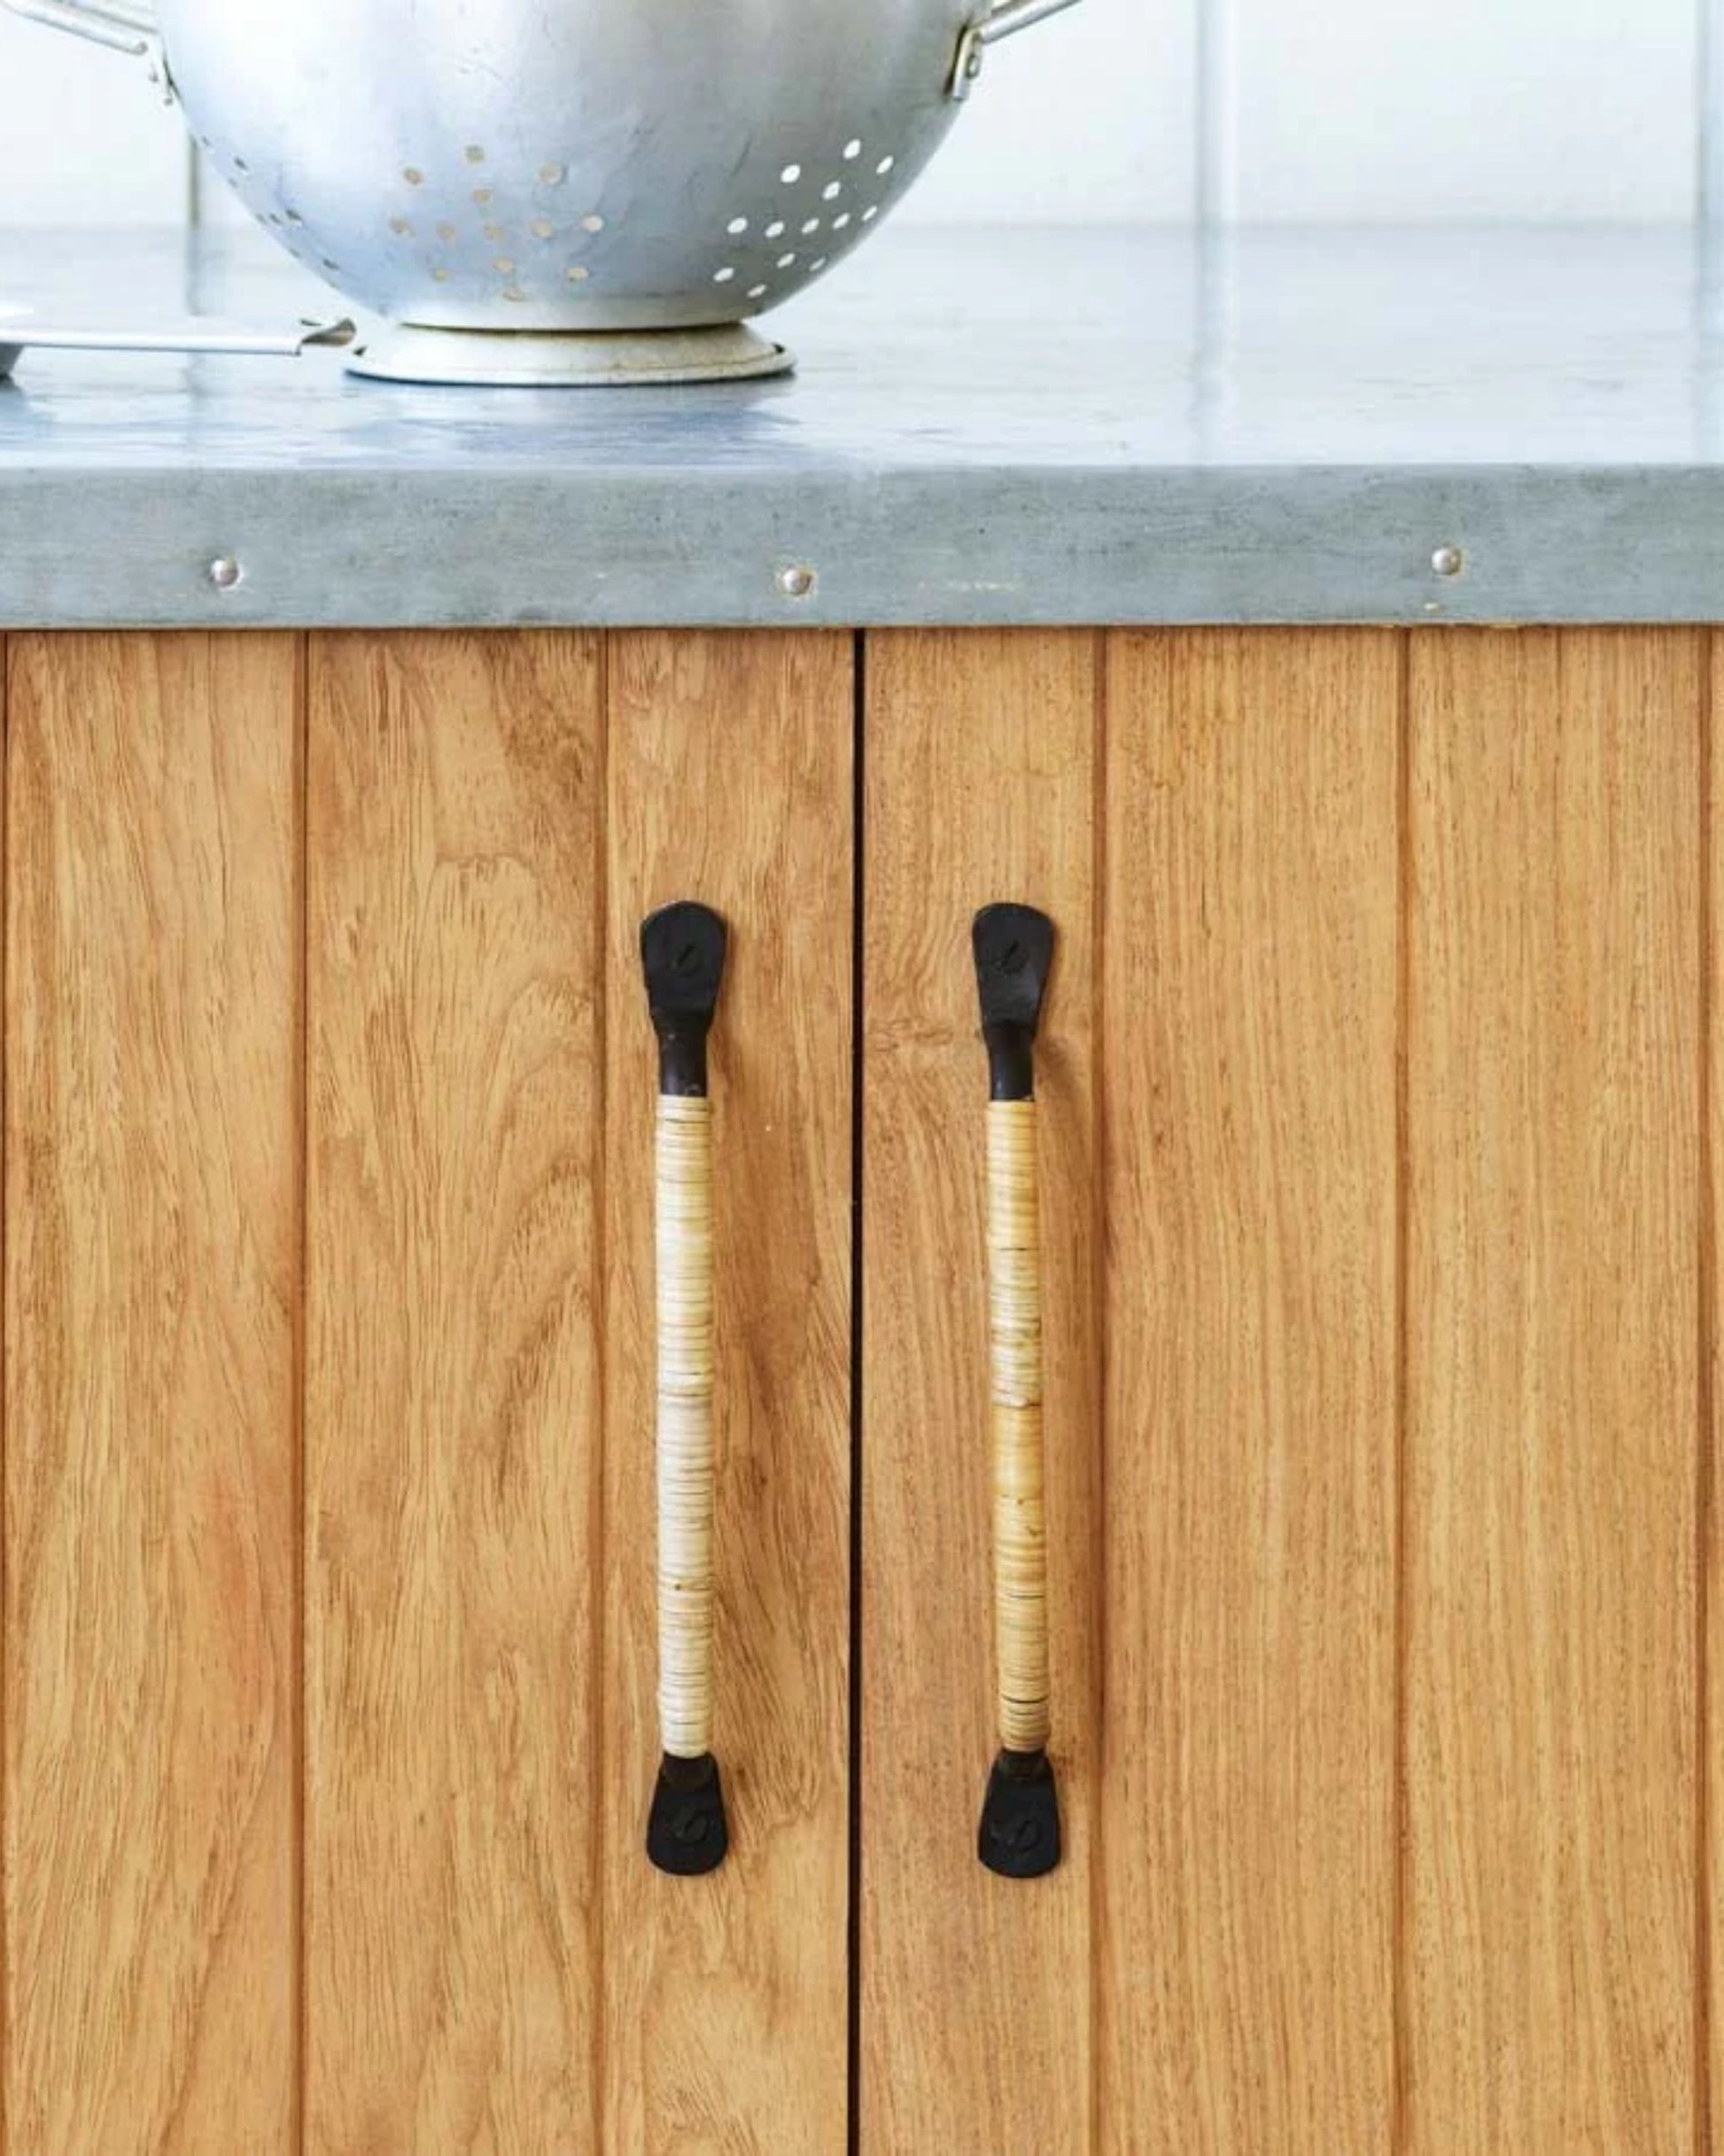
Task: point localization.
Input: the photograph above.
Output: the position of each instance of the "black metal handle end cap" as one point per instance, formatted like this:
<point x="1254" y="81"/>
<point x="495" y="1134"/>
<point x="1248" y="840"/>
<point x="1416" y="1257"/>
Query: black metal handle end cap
<point x="1014" y="948"/>
<point x="1013" y="958"/>
<point x="688" y="1833"/>
<point x="682" y="955"/>
<point x="1020" y="1833"/>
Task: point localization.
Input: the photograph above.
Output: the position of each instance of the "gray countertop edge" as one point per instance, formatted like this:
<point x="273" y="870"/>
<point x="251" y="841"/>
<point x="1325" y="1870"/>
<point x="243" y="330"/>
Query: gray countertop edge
<point x="1030" y="546"/>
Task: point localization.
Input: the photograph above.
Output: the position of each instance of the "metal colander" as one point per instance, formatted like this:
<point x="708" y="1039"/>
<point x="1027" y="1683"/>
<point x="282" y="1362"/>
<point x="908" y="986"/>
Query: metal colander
<point x="593" y="189"/>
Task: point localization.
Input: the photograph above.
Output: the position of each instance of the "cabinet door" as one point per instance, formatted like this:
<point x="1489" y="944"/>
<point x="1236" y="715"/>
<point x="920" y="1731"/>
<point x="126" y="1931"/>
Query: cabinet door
<point x="329" y="1712"/>
<point x="1380" y="1314"/>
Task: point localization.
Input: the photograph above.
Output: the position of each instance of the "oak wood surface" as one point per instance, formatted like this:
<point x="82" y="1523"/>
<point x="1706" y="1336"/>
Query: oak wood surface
<point x="1247" y="1861"/>
<point x="981" y="774"/>
<point x="1386" y="1552"/>
<point x="151" y="1250"/>
<point x="455" y="1292"/>
<point x="729" y="780"/>
<point x="1709" y="1999"/>
<point x="1552" y="1235"/>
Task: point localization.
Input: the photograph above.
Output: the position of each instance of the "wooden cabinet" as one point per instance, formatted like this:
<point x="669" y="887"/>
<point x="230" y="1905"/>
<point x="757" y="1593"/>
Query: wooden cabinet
<point x="1380" y="1198"/>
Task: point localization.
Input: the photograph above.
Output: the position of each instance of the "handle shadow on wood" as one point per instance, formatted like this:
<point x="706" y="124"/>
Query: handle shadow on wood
<point x="1020" y="1831"/>
<point x="682" y="952"/>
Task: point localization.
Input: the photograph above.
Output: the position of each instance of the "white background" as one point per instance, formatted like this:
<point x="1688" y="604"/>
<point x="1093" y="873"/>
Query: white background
<point x="1130" y="110"/>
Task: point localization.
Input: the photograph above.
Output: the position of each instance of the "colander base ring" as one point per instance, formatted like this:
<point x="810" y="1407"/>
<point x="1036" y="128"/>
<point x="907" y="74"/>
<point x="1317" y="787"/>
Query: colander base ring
<point x="575" y="359"/>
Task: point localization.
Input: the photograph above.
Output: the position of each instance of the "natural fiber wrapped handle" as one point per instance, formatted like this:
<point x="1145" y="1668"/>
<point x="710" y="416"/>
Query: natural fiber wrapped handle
<point x="1014" y="1364"/>
<point x="683" y="950"/>
<point x="686" y="1466"/>
<point x="1019" y="1831"/>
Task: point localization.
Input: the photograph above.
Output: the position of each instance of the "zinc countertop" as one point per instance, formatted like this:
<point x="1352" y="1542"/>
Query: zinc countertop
<point x="1347" y="424"/>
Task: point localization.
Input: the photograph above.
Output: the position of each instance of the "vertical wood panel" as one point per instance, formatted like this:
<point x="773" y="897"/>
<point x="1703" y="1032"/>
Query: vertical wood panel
<point x="981" y="778"/>
<point x="454" y="1308"/>
<point x="1709" y="2020"/>
<point x="1553" y="1238"/>
<point x="1250" y="992"/>
<point x="730" y="782"/>
<point x="151" y="1252"/>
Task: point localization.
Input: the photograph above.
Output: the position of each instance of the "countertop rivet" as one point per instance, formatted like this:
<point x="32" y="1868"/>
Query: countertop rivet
<point x="1448" y="561"/>
<point x="225" y="573"/>
<point x="798" y="581"/>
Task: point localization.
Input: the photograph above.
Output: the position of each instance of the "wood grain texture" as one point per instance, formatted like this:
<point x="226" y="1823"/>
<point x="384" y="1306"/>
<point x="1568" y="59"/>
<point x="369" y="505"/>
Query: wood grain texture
<point x="730" y="782"/>
<point x="976" y="1991"/>
<point x="1709" y="2015"/>
<point x="1250" y="988"/>
<point x="151" y="1248"/>
<point x="455" y="1289"/>
<point x="1552" y="1392"/>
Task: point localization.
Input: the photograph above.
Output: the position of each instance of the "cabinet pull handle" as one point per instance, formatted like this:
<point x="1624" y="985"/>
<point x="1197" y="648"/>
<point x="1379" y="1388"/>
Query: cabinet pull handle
<point x="682" y="952"/>
<point x="1020" y="1831"/>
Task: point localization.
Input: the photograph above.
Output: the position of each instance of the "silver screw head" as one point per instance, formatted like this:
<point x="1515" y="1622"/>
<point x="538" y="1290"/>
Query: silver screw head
<point x="798" y="581"/>
<point x="1448" y="561"/>
<point x="225" y="573"/>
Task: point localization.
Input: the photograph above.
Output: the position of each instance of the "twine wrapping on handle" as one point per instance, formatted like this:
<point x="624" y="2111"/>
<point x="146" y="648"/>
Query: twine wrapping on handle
<point x="1014" y="1359"/>
<point x="686" y="1466"/>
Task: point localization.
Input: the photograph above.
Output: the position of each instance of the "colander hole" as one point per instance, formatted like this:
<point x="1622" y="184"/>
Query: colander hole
<point x="726" y="275"/>
<point x="448" y="234"/>
<point x="484" y="197"/>
<point x="870" y="214"/>
<point x="440" y="276"/>
<point x="504" y="265"/>
<point x="885" y="166"/>
<point x="775" y="230"/>
<point x="852" y="150"/>
<point x="790" y="175"/>
<point x="334" y="267"/>
<point x="551" y="174"/>
<point x="579" y="274"/>
<point x="756" y="292"/>
<point x="412" y="175"/>
<point x="831" y="193"/>
<point x="399" y="225"/>
<point x="814" y="269"/>
<point x="475" y="154"/>
<point x="543" y="229"/>
<point x="737" y="226"/>
<point x="787" y="261"/>
<point x="838" y="223"/>
<point x="513" y="291"/>
<point x="495" y="233"/>
<point x="593" y="222"/>
<point x="810" y="226"/>
<point x="240" y="165"/>
<point x="293" y="217"/>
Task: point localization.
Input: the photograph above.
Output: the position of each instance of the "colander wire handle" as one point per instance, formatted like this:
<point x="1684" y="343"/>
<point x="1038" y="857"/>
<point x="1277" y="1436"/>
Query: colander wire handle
<point x="1020" y="1833"/>
<point x="119" y="26"/>
<point x="1015" y="15"/>
<point x="1004" y="21"/>
<point x="683" y="950"/>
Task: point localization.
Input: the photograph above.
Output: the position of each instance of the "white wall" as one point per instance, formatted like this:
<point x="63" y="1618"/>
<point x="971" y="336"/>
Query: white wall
<point x="84" y="137"/>
<point x="1289" y="110"/>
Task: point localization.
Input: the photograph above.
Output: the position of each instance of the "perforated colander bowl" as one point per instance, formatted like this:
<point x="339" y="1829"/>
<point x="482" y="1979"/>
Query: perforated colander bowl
<point x="577" y="177"/>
